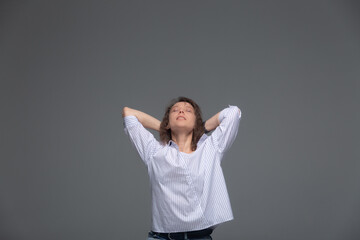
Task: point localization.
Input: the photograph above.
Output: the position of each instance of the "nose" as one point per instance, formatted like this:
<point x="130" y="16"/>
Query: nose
<point x="181" y="111"/>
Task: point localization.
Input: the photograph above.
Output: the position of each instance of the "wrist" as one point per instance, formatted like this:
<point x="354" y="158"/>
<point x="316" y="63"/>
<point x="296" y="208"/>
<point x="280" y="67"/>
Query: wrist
<point x="205" y="130"/>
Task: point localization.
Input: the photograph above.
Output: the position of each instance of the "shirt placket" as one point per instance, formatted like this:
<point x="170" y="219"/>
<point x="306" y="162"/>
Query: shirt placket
<point x="191" y="184"/>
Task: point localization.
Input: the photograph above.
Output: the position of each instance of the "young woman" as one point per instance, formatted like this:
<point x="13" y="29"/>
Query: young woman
<point x="189" y="195"/>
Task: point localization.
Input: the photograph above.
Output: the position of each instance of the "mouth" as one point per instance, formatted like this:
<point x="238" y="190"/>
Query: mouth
<point x="180" y="118"/>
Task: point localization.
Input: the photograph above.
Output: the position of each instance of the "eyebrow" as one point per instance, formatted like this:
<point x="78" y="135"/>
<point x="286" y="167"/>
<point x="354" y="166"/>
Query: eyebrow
<point x="186" y="105"/>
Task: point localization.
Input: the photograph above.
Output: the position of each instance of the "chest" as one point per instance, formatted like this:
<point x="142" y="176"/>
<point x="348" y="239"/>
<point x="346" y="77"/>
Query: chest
<point x="172" y="165"/>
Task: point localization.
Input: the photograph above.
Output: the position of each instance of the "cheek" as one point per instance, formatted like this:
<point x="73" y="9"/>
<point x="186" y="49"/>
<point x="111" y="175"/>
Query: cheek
<point x="194" y="121"/>
<point x="172" y="119"/>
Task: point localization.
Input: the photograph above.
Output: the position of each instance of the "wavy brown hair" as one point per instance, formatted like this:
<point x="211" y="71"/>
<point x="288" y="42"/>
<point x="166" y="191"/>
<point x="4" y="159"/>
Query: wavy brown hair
<point x="198" y="131"/>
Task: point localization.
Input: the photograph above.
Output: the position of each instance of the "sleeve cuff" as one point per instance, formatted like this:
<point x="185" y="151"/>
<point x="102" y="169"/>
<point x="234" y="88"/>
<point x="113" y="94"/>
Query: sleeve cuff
<point x="130" y="121"/>
<point x="228" y="110"/>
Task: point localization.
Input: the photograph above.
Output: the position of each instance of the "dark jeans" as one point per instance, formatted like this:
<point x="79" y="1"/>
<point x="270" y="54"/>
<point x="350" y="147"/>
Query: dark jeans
<point x="153" y="236"/>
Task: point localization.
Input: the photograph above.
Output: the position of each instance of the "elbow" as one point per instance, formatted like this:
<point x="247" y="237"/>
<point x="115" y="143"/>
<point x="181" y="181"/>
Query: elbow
<point x="239" y="112"/>
<point x="125" y="111"/>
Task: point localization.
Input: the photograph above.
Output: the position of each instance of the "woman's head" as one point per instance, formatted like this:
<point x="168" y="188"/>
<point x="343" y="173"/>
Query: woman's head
<point x="182" y="114"/>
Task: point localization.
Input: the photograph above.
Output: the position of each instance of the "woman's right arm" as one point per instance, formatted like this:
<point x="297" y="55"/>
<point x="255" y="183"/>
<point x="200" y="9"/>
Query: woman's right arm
<point x="145" y="119"/>
<point x="135" y="123"/>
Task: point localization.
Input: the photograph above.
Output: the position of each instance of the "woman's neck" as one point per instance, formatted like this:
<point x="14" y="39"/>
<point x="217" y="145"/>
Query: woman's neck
<point x="183" y="140"/>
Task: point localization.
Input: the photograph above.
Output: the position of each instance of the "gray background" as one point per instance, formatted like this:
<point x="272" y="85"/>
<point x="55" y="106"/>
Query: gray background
<point x="67" y="169"/>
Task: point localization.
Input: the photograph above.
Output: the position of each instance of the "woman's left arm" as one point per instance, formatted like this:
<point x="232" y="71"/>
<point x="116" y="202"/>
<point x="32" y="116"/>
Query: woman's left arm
<point x="212" y="122"/>
<point x="226" y="125"/>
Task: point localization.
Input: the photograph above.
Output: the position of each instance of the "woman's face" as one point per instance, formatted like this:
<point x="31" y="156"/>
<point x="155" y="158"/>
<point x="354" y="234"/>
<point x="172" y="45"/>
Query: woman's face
<point x="182" y="117"/>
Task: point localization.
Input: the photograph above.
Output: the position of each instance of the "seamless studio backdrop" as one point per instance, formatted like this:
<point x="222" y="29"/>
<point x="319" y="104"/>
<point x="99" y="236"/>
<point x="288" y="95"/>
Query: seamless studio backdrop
<point x="67" y="68"/>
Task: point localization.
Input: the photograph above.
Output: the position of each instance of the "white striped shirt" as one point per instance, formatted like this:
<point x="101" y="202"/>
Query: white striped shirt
<point x="188" y="190"/>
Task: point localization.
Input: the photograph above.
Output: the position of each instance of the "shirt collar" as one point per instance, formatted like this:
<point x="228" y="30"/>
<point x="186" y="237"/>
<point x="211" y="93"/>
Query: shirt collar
<point x="201" y="140"/>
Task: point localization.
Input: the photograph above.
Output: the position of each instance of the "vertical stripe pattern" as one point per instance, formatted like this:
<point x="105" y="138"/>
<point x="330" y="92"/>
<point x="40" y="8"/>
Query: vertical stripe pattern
<point x="188" y="190"/>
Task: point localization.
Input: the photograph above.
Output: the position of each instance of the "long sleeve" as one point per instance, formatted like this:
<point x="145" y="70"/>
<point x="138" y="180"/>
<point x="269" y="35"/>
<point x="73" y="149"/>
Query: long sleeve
<point x="225" y="134"/>
<point x="143" y="140"/>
